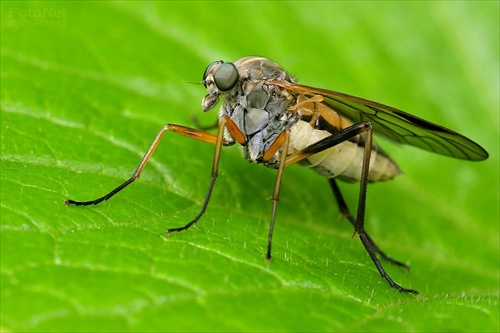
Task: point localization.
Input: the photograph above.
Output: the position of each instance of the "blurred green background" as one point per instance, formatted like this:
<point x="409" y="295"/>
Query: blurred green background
<point x="87" y="85"/>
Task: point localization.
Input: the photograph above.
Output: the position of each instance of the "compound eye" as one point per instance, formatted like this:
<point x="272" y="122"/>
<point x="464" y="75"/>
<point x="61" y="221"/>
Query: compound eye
<point x="208" y="70"/>
<point x="225" y="77"/>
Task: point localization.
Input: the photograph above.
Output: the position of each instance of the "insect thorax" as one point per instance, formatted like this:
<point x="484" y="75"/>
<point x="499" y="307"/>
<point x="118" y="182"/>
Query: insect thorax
<point x="259" y="109"/>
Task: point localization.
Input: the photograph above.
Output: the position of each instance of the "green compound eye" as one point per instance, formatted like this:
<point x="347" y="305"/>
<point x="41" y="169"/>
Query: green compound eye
<point x="225" y="77"/>
<point x="209" y="68"/>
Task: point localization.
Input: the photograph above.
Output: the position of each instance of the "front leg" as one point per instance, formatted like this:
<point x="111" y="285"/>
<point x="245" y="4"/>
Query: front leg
<point x="225" y="122"/>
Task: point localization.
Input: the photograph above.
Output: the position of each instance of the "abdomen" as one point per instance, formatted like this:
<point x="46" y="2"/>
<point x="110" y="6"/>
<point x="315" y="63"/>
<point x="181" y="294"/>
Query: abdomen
<point x="343" y="160"/>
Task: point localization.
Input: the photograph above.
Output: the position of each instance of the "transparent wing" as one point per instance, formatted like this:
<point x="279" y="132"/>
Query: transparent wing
<point x="395" y="124"/>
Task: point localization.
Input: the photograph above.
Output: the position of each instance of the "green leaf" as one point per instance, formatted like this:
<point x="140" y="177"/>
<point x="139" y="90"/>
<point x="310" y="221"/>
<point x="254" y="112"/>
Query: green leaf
<point x="87" y="85"/>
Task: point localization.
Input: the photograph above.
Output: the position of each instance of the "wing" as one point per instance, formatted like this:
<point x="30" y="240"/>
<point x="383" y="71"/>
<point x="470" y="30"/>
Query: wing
<point x="395" y="124"/>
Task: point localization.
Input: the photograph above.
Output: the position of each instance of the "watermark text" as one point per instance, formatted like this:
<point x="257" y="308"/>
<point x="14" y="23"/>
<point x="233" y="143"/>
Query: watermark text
<point x="37" y="17"/>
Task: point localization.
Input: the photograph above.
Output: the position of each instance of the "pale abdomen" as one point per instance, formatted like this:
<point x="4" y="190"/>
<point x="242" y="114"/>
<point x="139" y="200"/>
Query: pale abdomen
<point x="343" y="160"/>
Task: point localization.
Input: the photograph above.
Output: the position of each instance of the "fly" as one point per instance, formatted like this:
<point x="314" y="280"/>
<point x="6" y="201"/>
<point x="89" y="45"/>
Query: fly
<point x="278" y="122"/>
